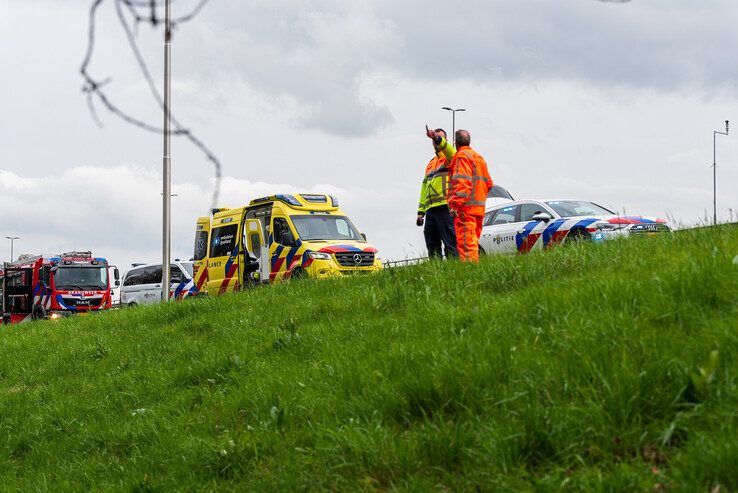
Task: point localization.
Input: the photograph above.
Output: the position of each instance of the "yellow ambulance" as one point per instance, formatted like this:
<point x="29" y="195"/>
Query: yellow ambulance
<point x="280" y="237"/>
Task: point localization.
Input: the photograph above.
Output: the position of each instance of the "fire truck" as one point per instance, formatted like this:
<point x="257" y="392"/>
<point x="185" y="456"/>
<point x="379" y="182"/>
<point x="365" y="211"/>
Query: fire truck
<point x="39" y="287"/>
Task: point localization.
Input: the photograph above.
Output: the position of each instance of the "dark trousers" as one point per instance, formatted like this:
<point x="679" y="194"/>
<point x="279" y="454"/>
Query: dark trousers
<point x="439" y="229"/>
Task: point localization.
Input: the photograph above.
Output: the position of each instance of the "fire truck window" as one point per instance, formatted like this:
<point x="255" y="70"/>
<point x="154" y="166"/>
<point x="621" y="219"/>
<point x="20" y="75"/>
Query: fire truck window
<point x="201" y="245"/>
<point x="223" y="241"/>
<point x="152" y="275"/>
<point x="45" y="275"/>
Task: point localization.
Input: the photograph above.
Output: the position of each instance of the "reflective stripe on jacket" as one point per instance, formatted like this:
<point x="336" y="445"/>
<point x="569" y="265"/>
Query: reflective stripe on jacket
<point x="434" y="190"/>
<point x="470" y="182"/>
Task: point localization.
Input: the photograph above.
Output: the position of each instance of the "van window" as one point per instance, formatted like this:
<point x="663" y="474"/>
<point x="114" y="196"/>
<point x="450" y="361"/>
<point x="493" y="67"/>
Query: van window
<point x="201" y="245"/>
<point x="224" y="240"/>
<point x="152" y="275"/>
<point x="134" y="277"/>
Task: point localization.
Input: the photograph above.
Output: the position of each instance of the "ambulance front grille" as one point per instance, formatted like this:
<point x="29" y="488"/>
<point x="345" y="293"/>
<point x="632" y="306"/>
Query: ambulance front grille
<point x="355" y="259"/>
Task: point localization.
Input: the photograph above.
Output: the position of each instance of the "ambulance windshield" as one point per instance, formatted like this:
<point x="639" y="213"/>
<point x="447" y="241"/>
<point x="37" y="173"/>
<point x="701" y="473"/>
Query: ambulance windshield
<point x="81" y="278"/>
<point x="324" y="227"/>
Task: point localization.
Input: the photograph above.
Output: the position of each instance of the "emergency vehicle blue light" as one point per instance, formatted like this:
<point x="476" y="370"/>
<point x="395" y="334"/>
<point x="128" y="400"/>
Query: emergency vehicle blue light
<point x="290" y="199"/>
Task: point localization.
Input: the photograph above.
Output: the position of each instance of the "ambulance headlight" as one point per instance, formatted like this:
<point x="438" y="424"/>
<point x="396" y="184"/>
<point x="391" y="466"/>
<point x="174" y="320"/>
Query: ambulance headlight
<point x="55" y="316"/>
<point x="319" y="255"/>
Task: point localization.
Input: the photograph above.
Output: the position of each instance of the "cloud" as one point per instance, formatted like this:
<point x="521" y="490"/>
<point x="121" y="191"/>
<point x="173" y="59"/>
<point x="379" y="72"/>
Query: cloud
<point x="319" y="52"/>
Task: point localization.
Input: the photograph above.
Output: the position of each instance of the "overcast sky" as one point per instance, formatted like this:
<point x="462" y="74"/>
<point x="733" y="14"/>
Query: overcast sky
<point x="607" y="101"/>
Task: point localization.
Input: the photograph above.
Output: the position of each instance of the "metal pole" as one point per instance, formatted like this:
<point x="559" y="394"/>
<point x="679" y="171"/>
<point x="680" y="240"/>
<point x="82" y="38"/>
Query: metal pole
<point x="714" y="169"/>
<point x="167" y="165"/>
<point x="453" y="126"/>
<point x="12" y="243"/>
<point x="714" y="179"/>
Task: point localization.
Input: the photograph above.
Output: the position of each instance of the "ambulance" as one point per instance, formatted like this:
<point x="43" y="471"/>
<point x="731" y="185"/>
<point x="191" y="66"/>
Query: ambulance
<point x="51" y="286"/>
<point x="280" y="237"/>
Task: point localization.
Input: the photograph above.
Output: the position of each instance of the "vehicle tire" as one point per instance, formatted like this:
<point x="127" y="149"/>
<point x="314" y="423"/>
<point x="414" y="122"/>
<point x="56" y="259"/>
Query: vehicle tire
<point x="578" y="235"/>
<point x="132" y="304"/>
<point x="39" y="313"/>
<point x="481" y="251"/>
<point x="298" y="273"/>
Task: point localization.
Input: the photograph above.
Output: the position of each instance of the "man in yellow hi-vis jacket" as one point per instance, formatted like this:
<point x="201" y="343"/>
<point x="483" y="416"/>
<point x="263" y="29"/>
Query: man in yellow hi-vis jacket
<point x="433" y="211"/>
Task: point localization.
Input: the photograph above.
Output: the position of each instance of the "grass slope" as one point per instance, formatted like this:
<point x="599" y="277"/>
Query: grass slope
<point x="591" y="367"/>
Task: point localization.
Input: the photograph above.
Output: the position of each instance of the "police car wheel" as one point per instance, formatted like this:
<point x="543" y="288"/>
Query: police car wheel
<point x="39" y="313"/>
<point x="577" y="235"/>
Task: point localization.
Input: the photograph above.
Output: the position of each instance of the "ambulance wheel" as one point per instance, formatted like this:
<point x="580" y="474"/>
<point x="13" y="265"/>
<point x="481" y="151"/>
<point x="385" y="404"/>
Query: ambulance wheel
<point x="39" y="313"/>
<point x="298" y="273"/>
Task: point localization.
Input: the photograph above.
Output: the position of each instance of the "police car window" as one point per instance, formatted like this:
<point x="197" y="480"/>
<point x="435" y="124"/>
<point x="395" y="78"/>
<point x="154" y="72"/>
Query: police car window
<point x="188" y="267"/>
<point x="175" y="274"/>
<point x="201" y="245"/>
<point x="527" y="211"/>
<point x="506" y="215"/>
<point x="488" y="218"/>
<point x="573" y="208"/>
<point x="223" y="241"/>
<point x="152" y="275"/>
<point x="133" y="277"/>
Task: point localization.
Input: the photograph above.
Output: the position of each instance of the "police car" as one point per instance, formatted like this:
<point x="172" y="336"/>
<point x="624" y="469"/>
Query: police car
<point x="524" y="225"/>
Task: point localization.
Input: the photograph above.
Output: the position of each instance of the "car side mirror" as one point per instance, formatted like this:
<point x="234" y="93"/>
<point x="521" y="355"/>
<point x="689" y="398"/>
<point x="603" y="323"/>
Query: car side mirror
<point x="363" y="235"/>
<point x="542" y="216"/>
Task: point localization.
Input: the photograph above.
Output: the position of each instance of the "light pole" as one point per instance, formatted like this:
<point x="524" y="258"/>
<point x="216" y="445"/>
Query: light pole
<point x="167" y="164"/>
<point x="714" y="169"/>
<point x="12" y="241"/>
<point x="453" y="120"/>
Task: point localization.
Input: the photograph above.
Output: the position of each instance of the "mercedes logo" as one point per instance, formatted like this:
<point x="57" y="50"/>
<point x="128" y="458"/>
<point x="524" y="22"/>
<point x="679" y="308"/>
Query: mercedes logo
<point x="357" y="258"/>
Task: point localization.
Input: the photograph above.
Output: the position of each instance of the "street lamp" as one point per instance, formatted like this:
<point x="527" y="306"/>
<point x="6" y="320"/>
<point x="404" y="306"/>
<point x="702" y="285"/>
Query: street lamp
<point x="453" y="120"/>
<point x="167" y="161"/>
<point x="12" y="241"/>
<point x="714" y="169"/>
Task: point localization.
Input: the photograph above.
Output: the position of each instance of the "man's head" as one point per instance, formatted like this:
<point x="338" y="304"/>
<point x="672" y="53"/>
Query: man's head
<point x="462" y="138"/>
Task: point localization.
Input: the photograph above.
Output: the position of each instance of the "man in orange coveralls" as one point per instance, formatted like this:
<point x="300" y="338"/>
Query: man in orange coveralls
<point x="467" y="196"/>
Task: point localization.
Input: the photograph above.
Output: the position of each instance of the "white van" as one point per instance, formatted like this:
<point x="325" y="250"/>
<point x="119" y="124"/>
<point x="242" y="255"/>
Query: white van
<point x="142" y="284"/>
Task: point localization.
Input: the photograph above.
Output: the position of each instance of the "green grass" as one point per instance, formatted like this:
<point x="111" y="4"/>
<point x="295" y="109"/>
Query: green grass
<point x="587" y="368"/>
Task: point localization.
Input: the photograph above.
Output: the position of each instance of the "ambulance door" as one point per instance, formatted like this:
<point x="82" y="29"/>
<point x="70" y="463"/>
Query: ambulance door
<point x="223" y="257"/>
<point x="256" y="265"/>
<point x="200" y="257"/>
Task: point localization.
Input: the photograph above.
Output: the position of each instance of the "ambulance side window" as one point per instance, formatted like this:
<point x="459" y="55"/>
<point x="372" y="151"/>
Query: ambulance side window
<point x="280" y="228"/>
<point x="223" y="241"/>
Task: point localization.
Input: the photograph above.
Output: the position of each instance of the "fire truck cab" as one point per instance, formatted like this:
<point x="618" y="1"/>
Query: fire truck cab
<point x="284" y="236"/>
<point x="40" y="287"/>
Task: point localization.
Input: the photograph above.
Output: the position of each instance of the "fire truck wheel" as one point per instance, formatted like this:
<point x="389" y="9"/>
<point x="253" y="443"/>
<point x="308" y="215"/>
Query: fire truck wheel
<point x="39" y="313"/>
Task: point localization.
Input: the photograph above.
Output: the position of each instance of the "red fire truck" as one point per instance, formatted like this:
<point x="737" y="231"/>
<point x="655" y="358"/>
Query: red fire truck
<point x="37" y="286"/>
